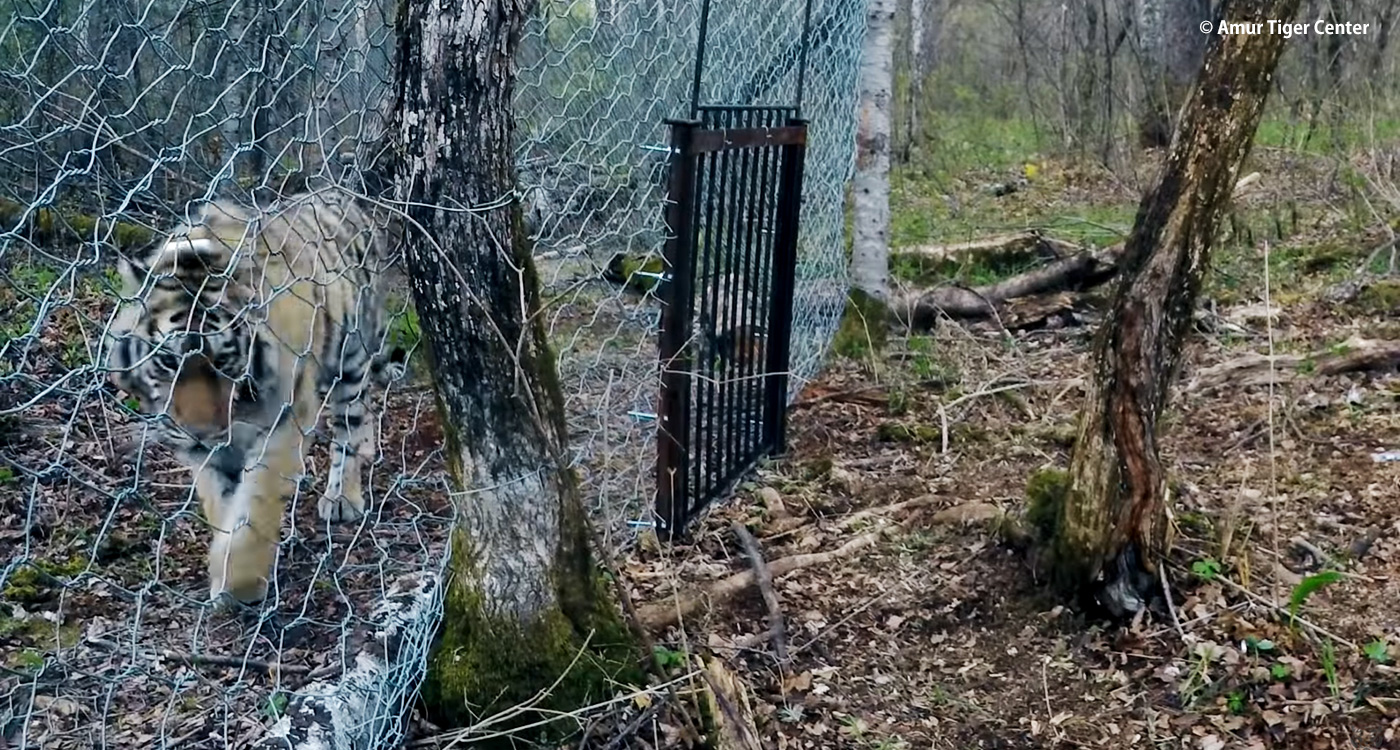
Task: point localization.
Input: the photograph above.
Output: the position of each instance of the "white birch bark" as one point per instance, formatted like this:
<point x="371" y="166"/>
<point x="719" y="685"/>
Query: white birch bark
<point x="916" y="69"/>
<point x="870" y="267"/>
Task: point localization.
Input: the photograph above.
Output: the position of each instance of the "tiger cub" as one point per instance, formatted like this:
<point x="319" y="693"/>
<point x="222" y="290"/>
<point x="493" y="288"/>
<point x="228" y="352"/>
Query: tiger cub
<point x="237" y="329"/>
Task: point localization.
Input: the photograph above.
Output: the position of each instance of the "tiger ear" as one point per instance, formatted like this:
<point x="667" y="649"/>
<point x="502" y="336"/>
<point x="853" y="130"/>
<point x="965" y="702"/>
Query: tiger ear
<point x="132" y="274"/>
<point x="223" y="219"/>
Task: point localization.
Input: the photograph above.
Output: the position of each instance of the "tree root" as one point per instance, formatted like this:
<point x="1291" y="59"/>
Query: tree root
<point x="664" y="614"/>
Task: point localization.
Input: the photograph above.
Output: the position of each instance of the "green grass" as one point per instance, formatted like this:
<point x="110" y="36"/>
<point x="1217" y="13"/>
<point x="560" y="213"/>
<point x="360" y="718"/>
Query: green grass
<point x="1277" y="131"/>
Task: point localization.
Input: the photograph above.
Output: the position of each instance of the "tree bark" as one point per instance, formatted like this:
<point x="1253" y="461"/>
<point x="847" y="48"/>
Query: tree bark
<point x="523" y="596"/>
<point x="1108" y="525"/>
<point x="870" y="261"/>
<point x="1172" y="47"/>
<point x="866" y="318"/>
<point x="916" y="71"/>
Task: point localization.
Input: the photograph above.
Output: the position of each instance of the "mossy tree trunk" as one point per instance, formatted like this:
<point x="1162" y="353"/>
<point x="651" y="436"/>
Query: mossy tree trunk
<point x="524" y="595"/>
<point x="1110" y="527"/>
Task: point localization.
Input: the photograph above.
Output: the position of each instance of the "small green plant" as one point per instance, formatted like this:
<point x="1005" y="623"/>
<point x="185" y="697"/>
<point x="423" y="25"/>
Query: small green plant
<point x="7" y="475"/>
<point x="1377" y="651"/>
<point x="29" y="659"/>
<point x="668" y="658"/>
<point x="1280" y="671"/>
<point x="1207" y="569"/>
<point x="1328" y="655"/>
<point x="1235" y="702"/>
<point x="276" y="705"/>
<point x="1258" y="645"/>
<point x="1306" y="588"/>
<point x="791" y="714"/>
<point x="922" y="362"/>
<point x="854" y="727"/>
<point x="898" y="403"/>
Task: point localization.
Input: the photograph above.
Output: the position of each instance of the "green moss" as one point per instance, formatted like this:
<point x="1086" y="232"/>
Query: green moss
<point x="1196" y="524"/>
<point x="1045" y="497"/>
<point x="41" y="580"/>
<point x="640" y="273"/>
<point x="1382" y="298"/>
<point x="485" y="663"/>
<point x="35" y="635"/>
<point x="864" y="327"/>
<point x="55" y="225"/>
<point x="895" y="432"/>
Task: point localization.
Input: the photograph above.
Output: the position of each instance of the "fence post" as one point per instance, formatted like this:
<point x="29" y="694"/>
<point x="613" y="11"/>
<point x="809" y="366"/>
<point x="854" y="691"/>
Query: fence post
<point x="673" y="409"/>
<point x="784" y="281"/>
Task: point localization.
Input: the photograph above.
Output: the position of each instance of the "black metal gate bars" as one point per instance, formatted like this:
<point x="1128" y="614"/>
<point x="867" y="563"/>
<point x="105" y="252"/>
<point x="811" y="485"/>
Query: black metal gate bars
<point x="734" y="197"/>
<point x="732" y="209"/>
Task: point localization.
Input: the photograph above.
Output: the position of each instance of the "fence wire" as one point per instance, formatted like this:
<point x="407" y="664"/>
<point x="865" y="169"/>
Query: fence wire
<point x="116" y="115"/>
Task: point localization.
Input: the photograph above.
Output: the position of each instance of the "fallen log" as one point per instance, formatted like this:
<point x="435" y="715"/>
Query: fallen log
<point x="1356" y="355"/>
<point x="1073" y="269"/>
<point x="1083" y="270"/>
<point x="1029" y="242"/>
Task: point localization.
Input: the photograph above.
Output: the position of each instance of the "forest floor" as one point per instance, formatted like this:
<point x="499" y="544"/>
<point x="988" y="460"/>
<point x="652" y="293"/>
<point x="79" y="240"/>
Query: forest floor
<point x="937" y="633"/>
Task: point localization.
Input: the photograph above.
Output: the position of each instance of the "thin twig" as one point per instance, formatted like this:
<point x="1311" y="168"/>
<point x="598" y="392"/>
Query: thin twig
<point x="943" y="408"/>
<point x="632" y="726"/>
<point x="764" y="579"/>
<point x="1171" y="607"/>
<point x="851" y="616"/>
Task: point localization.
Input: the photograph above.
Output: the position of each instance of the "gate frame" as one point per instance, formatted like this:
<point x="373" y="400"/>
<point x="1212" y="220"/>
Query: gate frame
<point x="689" y="140"/>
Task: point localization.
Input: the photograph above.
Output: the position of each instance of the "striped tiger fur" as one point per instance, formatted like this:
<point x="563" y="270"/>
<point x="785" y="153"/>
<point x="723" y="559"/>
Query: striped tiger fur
<point x="238" y="328"/>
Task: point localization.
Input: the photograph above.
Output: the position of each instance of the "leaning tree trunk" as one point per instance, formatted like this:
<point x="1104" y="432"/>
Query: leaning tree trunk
<point x="523" y="595"/>
<point x="866" y="316"/>
<point x="1110" y="525"/>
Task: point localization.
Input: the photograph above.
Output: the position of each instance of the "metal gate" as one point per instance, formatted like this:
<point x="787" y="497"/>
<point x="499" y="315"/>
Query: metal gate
<point x="733" y="205"/>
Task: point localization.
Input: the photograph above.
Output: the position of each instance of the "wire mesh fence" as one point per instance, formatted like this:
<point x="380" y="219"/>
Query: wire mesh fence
<point x="117" y="116"/>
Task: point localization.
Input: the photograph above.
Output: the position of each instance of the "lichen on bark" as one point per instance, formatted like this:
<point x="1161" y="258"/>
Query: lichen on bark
<point x="525" y="609"/>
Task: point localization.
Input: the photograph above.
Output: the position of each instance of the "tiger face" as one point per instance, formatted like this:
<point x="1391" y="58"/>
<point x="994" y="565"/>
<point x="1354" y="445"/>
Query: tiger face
<point x="181" y="345"/>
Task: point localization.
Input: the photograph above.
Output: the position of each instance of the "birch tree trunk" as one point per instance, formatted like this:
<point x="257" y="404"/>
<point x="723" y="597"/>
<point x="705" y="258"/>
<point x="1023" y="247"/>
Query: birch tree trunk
<point x="523" y="595"/>
<point x="916" y="76"/>
<point x="1107" y="519"/>
<point x="1172" y="49"/>
<point x="870" y="257"/>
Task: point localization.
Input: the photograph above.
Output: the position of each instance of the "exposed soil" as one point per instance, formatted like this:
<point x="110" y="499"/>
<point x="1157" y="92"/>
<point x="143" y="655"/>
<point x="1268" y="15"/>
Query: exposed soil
<point x="944" y="635"/>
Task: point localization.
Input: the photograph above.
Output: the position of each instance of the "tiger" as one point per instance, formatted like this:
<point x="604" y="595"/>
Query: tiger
<point x="234" y="331"/>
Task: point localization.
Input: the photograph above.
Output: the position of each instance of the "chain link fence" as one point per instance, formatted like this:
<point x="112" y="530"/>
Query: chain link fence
<point x="115" y="116"/>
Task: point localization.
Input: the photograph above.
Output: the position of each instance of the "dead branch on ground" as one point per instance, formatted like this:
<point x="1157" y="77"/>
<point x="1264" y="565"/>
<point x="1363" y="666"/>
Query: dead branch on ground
<point x="1073" y="269"/>
<point x="1000" y="245"/>
<point x="1356" y="355"/>
<point x="764" y="578"/>
<point x="667" y="613"/>
<point x="1085" y="269"/>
